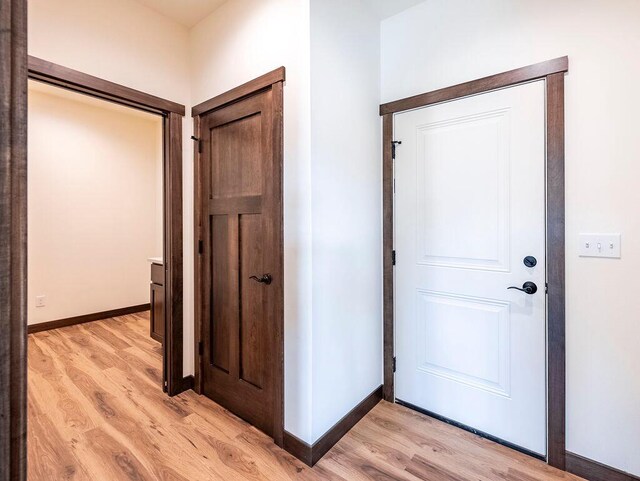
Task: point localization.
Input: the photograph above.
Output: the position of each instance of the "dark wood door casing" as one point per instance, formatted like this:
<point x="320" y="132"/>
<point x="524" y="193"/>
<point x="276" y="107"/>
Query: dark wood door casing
<point x="172" y="113"/>
<point x="238" y="178"/>
<point x="173" y="254"/>
<point x="13" y="240"/>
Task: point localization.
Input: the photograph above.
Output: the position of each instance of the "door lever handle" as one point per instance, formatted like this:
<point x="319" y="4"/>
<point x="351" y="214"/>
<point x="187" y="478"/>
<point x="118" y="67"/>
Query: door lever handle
<point x="263" y="279"/>
<point x="528" y="288"/>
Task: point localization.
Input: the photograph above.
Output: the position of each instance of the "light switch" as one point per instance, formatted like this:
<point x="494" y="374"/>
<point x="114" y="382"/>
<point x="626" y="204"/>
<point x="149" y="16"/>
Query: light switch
<point x="40" y="301"/>
<point x="599" y="245"/>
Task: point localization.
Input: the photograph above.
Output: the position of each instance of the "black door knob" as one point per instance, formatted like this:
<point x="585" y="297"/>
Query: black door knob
<point x="528" y="288"/>
<point x="263" y="279"/>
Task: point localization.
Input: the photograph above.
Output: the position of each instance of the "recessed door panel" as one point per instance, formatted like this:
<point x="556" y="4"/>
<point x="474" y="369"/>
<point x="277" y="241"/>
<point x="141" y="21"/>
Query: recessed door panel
<point x="465" y="339"/>
<point x="236" y="167"/>
<point x="220" y="313"/>
<point x="252" y="314"/>
<point x="446" y="219"/>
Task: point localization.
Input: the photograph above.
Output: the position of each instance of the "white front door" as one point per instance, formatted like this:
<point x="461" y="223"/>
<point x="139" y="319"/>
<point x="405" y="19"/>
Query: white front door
<point x="469" y="208"/>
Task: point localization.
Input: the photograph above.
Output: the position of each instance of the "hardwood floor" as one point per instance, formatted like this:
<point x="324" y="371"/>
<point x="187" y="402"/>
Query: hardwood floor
<point x="96" y="412"/>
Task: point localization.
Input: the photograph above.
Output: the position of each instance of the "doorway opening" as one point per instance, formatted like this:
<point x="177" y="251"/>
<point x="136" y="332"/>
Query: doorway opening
<point x="95" y="208"/>
<point x="170" y="114"/>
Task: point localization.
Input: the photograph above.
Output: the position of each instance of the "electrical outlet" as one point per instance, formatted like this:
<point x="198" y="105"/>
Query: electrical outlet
<point x="40" y="301"/>
<point x="599" y="245"/>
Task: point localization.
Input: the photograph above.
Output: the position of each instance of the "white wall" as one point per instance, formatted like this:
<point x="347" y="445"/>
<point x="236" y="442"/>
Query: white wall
<point x="93" y="203"/>
<point x="331" y="182"/>
<point x="346" y="180"/>
<point x="241" y="40"/>
<point x="127" y="43"/>
<point x="444" y="42"/>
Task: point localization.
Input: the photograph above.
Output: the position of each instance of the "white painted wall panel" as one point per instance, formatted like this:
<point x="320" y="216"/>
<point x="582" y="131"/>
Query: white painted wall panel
<point x="346" y="186"/>
<point x="94" y="204"/>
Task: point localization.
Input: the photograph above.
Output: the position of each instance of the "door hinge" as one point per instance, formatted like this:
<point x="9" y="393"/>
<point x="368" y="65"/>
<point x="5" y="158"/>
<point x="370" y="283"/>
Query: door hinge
<point x="200" y="247"/>
<point x="546" y="288"/>
<point x="393" y="147"/>
<point x="393" y="257"/>
<point x="200" y="348"/>
<point x="394" y="364"/>
<point x="196" y="139"/>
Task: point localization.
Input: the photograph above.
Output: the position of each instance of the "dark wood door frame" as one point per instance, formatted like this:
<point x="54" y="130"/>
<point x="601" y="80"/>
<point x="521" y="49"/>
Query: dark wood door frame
<point x="13" y="240"/>
<point x="76" y="81"/>
<point x="273" y="81"/>
<point x="552" y="72"/>
<point x="57" y="75"/>
<point x="172" y="113"/>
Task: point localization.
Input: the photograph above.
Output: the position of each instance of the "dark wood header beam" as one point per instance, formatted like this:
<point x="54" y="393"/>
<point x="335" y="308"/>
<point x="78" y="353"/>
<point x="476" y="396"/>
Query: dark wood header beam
<point x="249" y="88"/>
<point x="494" y="82"/>
<point x="64" y="77"/>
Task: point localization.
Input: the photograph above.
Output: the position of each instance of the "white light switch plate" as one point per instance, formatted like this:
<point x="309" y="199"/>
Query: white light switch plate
<point x="40" y="301"/>
<point x="599" y="245"/>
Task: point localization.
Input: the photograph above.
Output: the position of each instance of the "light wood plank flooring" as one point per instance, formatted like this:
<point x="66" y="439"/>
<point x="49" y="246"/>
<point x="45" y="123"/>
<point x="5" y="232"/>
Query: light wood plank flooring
<point x="96" y="412"/>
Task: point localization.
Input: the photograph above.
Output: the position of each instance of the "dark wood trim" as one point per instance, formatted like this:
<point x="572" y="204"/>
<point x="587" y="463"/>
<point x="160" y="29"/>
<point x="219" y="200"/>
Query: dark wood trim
<point x="187" y="383"/>
<point x="251" y="87"/>
<point x="95" y="316"/>
<point x="274" y="81"/>
<point x="553" y="73"/>
<point x="331" y="437"/>
<point x="556" y="375"/>
<point x="493" y="82"/>
<point x="311" y="454"/>
<point x="298" y="448"/>
<point x="387" y="258"/>
<point x="198" y="235"/>
<point x="278" y="239"/>
<point x="173" y="256"/>
<point x="65" y="77"/>
<point x="13" y="240"/>
<point x="595" y="471"/>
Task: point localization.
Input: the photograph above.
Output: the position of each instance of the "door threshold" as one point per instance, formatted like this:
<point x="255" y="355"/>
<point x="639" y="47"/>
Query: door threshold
<point x="464" y="427"/>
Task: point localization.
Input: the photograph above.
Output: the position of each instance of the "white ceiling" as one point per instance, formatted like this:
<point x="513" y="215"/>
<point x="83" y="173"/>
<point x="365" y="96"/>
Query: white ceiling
<point x="388" y="8"/>
<point x="186" y="12"/>
<point x="190" y="12"/>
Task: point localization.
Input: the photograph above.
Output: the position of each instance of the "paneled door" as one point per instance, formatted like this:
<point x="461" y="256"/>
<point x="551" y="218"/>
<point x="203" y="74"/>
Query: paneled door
<point x="241" y="258"/>
<point x="470" y="263"/>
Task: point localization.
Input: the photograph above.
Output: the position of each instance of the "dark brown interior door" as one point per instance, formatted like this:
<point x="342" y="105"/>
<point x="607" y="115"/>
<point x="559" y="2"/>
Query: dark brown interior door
<point x="242" y="261"/>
